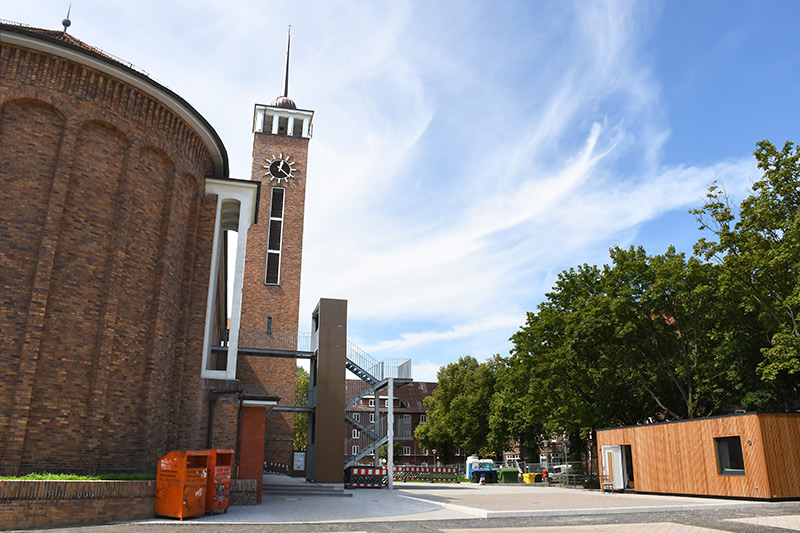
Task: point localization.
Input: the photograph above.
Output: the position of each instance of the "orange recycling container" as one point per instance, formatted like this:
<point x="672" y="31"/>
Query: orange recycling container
<point x="181" y="484"/>
<point x="218" y="492"/>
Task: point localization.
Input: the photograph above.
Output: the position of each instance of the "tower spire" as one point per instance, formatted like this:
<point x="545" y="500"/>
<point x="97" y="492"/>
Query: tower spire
<point x="286" y="71"/>
<point x="283" y="100"/>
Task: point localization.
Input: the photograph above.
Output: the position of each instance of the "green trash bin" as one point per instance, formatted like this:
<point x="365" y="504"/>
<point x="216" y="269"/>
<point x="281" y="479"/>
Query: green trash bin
<point x="508" y="475"/>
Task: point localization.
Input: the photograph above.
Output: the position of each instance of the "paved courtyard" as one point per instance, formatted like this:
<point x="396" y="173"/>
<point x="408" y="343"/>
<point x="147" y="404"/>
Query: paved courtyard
<point x="461" y="508"/>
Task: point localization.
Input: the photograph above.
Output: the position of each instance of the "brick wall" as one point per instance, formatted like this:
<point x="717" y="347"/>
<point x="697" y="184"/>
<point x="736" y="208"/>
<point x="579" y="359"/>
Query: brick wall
<point x="280" y="302"/>
<point x="44" y="504"/>
<point x="37" y="504"/>
<point x="105" y="259"/>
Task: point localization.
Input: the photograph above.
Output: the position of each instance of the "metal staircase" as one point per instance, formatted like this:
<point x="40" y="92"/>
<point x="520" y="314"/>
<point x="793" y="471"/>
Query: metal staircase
<point x="374" y="376"/>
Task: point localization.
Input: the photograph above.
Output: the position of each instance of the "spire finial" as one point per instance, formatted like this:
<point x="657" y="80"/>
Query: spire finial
<point x="286" y="72"/>
<point x="283" y="100"/>
<point x="66" y="22"/>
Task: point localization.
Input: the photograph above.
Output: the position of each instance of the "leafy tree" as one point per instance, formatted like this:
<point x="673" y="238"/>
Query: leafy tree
<point x="680" y="337"/>
<point x="759" y="250"/>
<point x="458" y="410"/>
<point x="563" y="373"/>
<point x="654" y="337"/>
<point x="644" y="337"/>
<point x="383" y="452"/>
<point x="301" y="419"/>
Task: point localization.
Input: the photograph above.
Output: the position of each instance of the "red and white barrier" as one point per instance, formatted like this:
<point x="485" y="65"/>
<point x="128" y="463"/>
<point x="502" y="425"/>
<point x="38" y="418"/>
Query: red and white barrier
<point x="365" y="477"/>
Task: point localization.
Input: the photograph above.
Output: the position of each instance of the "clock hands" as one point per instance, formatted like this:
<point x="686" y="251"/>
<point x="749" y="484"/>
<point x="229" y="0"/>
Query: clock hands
<point x="279" y="168"/>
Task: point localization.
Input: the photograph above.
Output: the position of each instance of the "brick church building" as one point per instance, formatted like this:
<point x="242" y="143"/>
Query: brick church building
<point x="117" y="204"/>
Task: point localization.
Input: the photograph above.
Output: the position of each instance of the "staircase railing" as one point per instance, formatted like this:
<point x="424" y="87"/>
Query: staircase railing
<point x="262" y="339"/>
<point x="367" y="442"/>
<point x="378" y="370"/>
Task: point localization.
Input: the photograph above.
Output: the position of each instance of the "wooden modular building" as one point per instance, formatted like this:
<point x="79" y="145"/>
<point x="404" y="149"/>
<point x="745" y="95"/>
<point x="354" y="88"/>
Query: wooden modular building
<point x="751" y="455"/>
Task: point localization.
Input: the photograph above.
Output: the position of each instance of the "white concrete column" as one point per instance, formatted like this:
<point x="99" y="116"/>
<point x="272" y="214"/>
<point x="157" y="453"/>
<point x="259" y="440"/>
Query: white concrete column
<point x="290" y="127"/>
<point x="212" y="294"/>
<point x="376" y="426"/>
<point x="238" y="282"/>
<point x="259" y="125"/>
<point x="390" y="435"/>
<point x="275" y="120"/>
<point x="236" y="206"/>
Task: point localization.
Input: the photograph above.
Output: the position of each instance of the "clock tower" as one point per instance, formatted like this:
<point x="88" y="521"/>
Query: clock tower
<point x="271" y="286"/>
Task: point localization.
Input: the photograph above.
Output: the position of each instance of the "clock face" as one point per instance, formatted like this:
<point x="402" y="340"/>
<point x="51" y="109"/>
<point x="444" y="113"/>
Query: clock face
<point x="279" y="168"/>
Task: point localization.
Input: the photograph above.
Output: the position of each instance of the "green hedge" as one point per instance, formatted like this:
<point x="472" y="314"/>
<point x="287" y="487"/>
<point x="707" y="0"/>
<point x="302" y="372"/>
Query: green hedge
<point x="44" y="476"/>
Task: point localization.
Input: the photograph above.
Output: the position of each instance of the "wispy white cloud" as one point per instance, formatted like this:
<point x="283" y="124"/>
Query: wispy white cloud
<point x="477" y="327"/>
<point x="580" y="173"/>
<point x="463" y="154"/>
<point x="425" y="370"/>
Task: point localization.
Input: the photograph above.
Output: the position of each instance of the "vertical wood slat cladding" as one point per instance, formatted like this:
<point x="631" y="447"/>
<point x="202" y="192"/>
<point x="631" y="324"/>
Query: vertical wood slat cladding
<point x="681" y="457"/>
<point x="25" y="181"/>
<point x="781" y="443"/>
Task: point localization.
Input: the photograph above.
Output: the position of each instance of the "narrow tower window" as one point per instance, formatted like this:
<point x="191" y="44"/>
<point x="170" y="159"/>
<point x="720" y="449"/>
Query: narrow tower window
<point x="273" y="275"/>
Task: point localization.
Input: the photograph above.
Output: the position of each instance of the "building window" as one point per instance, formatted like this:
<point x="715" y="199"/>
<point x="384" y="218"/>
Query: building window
<point x="354" y="450"/>
<point x="273" y="274"/>
<point x="406" y="450"/>
<point x="407" y="418"/>
<point x="458" y="451"/>
<point x="423" y="418"/>
<point x="372" y="403"/>
<point x="372" y="418"/>
<point x="356" y="434"/>
<point x="729" y="456"/>
<point x="556" y="458"/>
<point x="357" y="417"/>
<point x="386" y="403"/>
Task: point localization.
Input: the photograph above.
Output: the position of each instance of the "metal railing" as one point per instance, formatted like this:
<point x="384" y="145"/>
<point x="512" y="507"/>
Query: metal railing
<point x="357" y="390"/>
<point x="380" y="370"/>
<point x="367" y="442"/>
<point x="372" y="436"/>
<point x="364" y="361"/>
<point x="261" y="339"/>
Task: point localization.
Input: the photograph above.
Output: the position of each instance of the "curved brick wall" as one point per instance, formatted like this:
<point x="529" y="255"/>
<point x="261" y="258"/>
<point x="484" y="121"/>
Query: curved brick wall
<point x="104" y="260"/>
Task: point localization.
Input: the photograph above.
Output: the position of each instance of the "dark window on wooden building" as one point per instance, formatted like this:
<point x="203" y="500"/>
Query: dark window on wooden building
<point x="729" y="456"/>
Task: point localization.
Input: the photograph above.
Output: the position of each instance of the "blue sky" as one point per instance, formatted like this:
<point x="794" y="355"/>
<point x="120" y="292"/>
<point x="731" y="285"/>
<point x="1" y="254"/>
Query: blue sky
<point x="465" y="153"/>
